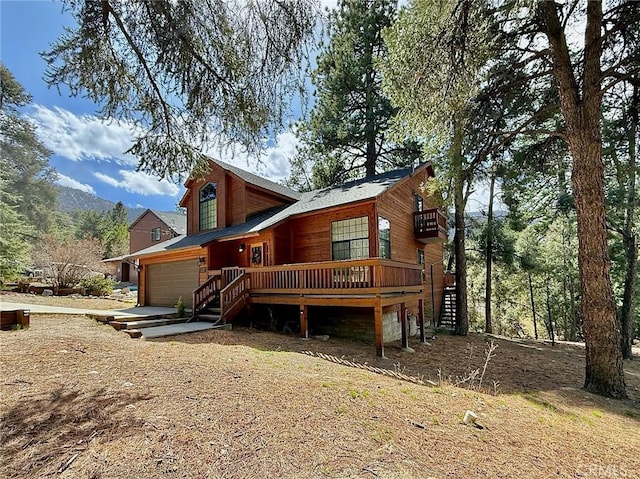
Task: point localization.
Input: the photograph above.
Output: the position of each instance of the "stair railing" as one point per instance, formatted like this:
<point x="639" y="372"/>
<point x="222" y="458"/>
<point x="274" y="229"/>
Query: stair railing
<point x="234" y="296"/>
<point x="205" y="293"/>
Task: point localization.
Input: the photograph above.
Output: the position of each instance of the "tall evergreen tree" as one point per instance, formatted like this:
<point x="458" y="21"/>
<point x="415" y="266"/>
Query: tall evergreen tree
<point x="533" y="42"/>
<point x="15" y="235"/>
<point x="25" y="160"/>
<point x="346" y="134"/>
<point x="621" y="136"/>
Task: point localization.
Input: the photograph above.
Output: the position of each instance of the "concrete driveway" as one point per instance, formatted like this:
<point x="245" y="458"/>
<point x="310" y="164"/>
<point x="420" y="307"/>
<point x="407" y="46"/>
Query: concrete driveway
<point x="135" y="312"/>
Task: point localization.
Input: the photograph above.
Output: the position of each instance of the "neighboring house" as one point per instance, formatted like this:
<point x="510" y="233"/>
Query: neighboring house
<point x="150" y="228"/>
<point x="351" y="258"/>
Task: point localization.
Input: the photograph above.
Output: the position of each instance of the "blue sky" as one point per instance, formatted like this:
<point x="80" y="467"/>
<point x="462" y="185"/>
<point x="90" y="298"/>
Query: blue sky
<point x="88" y="153"/>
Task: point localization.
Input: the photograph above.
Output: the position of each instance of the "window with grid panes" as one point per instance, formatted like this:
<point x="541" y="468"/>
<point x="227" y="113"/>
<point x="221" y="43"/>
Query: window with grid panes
<point x="384" y="236"/>
<point x="208" y="206"/>
<point x="350" y="238"/>
<point x="155" y="234"/>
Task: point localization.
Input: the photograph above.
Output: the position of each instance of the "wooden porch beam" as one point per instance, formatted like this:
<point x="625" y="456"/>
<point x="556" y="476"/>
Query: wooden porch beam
<point x="421" y="319"/>
<point x="304" y="322"/>
<point x="404" y="326"/>
<point x="378" y="330"/>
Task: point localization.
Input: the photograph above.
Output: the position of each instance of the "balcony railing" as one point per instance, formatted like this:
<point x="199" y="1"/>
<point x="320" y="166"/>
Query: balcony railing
<point x="430" y="226"/>
<point x="361" y="276"/>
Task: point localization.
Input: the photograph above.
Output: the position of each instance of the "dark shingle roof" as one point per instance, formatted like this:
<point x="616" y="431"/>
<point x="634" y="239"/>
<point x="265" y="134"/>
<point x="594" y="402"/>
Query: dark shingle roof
<point x="201" y="239"/>
<point x="351" y="192"/>
<point x="259" y="181"/>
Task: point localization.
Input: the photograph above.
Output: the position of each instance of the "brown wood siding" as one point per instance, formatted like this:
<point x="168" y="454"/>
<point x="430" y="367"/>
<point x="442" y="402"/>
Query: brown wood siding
<point x="282" y="244"/>
<point x="140" y="232"/>
<point x="260" y="200"/>
<point x="311" y="235"/>
<point x="237" y="201"/>
<point x="166" y="282"/>
<point x="397" y="206"/>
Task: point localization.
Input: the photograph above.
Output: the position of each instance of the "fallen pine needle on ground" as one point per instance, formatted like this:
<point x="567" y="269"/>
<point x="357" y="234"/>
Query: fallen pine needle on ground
<point x="79" y="399"/>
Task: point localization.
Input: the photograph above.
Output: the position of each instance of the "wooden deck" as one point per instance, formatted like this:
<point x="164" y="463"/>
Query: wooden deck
<point x="371" y="282"/>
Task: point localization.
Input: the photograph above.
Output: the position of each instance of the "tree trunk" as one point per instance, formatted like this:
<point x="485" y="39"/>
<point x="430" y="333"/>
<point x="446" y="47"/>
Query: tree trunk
<point x="370" y="116"/>
<point x="629" y="239"/>
<point x="462" y="317"/>
<point x="489" y="260"/>
<point x="552" y="336"/>
<point x="604" y="373"/>
<point x="533" y="309"/>
<point x="573" y="333"/>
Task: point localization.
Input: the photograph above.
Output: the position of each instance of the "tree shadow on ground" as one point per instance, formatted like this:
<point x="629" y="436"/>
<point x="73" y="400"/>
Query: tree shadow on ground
<point x="515" y="367"/>
<point x="41" y="435"/>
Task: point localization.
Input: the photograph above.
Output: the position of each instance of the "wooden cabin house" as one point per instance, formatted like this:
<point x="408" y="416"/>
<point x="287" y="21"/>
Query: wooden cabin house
<point x="363" y="257"/>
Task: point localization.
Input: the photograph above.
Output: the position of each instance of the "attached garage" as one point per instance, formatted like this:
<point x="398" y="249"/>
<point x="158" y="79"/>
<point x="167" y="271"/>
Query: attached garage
<point x="166" y="282"/>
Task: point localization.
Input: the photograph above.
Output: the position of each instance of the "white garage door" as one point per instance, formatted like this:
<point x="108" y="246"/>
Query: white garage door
<point x="166" y="282"/>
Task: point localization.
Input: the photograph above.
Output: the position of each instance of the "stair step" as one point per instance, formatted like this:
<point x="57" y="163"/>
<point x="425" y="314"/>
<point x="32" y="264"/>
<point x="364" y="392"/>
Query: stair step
<point x="211" y="318"/>
<point x="145" y="323"/>
<point x="173" y="329"/>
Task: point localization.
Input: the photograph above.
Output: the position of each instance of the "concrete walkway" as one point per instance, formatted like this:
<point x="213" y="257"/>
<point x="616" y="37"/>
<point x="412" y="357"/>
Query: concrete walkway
<point x="135" y="312"/>
<point x="175" y="329"/>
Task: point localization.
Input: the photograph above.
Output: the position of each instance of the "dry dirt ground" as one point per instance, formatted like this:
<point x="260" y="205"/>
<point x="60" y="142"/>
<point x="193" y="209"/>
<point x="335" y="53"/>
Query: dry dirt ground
<point x="78" y="399"/>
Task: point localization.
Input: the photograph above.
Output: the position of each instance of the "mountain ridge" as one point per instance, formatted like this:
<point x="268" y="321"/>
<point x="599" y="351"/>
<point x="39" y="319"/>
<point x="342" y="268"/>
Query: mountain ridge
<point x="72" y="199"/>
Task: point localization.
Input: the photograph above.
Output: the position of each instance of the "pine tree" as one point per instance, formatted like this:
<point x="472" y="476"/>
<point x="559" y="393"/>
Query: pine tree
<point x="25" y="160"/>
<point x="190" y="74"/>
<point x="347" y="134"/>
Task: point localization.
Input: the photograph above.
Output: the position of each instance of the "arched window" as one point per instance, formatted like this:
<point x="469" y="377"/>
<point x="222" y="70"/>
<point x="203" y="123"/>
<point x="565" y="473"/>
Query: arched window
<point x="209" y="206"/>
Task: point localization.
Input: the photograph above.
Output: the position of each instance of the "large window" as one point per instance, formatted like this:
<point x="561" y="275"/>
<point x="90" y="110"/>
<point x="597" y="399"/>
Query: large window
<point x="384" y="236"/>
<point x="350" y="238"/>
<point x="208" y="206"/>
<point x="155" y="234"/>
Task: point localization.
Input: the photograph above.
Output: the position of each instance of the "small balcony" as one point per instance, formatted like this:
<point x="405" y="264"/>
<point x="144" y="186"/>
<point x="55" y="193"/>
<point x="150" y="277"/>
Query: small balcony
<point x="430" y="226"/>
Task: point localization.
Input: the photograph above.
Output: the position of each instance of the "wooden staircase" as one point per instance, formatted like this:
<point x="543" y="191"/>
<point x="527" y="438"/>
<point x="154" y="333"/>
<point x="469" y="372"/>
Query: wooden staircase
<point x="447" y="319"/>
<point x="222" y="297"/>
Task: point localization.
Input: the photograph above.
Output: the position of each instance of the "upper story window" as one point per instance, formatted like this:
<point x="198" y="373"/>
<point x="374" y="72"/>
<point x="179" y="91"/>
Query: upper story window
<point x="384" y="237"/>
<point x="418" y="202"/>
<point x="155" y="234"/>
<point x="209" y="206"/>
<point x="350" y="238"/>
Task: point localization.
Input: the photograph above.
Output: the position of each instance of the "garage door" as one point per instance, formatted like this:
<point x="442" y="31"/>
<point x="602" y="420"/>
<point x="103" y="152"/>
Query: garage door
<point x="166" y="282"/>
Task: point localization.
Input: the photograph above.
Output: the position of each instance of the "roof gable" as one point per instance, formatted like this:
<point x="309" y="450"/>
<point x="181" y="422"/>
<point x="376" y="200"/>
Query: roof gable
<point x="177" y="222"/>
<point x="247" y="177"/>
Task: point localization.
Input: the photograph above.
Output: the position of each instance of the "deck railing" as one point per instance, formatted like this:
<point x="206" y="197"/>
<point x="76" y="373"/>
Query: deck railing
<point x="229" y="274"/>
<point x="429" y="224"/>
<point x="349" y="277"/>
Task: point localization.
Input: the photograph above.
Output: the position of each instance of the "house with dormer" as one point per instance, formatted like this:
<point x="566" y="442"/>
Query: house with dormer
<point x="365" y="256"/>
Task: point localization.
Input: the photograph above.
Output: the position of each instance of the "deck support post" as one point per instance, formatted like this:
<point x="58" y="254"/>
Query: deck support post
<point x="404" y="326"/>
<point x="304" y="323"/>
<point x="378" y="330"/>
<point x="421" y="319"/>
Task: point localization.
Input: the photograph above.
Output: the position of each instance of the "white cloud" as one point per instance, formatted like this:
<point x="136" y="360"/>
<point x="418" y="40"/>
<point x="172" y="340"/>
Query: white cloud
<point x="83" y="137"/>
<point x="140" y="183"/>
<point x="64" y="180"/>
